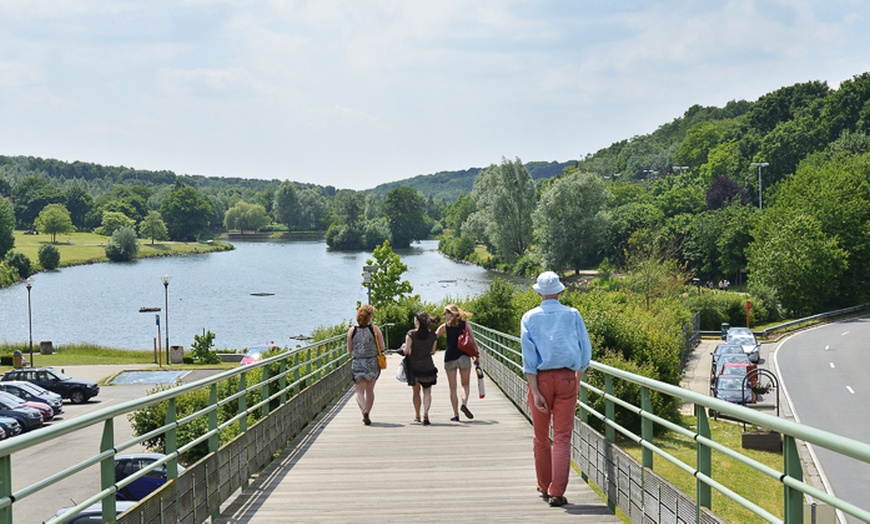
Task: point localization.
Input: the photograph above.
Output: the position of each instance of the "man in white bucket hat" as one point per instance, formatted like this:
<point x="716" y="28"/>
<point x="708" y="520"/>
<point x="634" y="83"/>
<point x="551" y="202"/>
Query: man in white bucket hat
<point x="556" y="352"/>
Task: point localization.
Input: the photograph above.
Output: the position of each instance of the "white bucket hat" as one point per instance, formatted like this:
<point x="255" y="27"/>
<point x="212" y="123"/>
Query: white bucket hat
<point x="548" y="284"/>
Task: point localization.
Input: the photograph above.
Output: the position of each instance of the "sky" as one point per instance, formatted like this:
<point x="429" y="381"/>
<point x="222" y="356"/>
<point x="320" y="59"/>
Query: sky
<point x="355" y="93"/>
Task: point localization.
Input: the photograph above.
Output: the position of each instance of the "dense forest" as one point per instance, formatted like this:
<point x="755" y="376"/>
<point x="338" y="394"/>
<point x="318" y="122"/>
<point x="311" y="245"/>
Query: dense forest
<point x="771" y="194"/>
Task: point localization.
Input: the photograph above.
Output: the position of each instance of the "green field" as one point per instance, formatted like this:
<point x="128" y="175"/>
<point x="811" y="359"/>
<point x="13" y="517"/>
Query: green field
<point x="88" y="248"/>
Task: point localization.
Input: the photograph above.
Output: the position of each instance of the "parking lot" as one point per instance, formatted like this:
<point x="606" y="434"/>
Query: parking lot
<point x="34" y="464"/>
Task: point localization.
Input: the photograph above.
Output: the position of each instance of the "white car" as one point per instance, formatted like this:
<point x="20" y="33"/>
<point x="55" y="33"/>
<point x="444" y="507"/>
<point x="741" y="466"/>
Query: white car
<point x="94" y="512"/>
<point x="744" y="337"/>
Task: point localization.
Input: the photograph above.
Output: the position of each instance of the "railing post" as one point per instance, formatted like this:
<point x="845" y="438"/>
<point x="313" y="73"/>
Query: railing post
<point x="264" y="392"/>
<point x="107" y="470"/>
<point x="282" y="380"/>
<point x="212" y="419"/>
<point x="793" y="507"/>
<point x="171" y="440"/>
<point x="646" y="427"/>
<point x="609" y="410"/>
<point x="704" y="459"/>
<point x="6" y="487"/>
<point x="584" y="399"/>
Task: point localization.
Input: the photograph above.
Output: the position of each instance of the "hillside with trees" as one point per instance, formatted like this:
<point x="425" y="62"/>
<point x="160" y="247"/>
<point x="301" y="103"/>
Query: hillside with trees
<point x="768" y="194"/>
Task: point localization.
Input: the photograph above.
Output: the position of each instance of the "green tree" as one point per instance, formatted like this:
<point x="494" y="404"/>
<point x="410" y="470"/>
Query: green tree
<point x="113" y="221"/>
<point x="312" y="210"/>
<point x="386" y="281"/>
<point x="80" y="205"/>
<point x="7" y="226"/>
<point x="571" y="222"/>
<point x="49" y="256"/>
<point x="20" y="262"/>
<point x="801" y="263"/>
<point x="153" y="227"/>
<point x="459" y="211"/>
<point x="123" y="245"/>
<point x="54" y="219"/>
<point x="30" y="196"/>
<point x="186" y="213"/>
<point x="246" y="217"/>
<point x="286" y="205"/>
<point x="201" y="349"/>
<point x="404" y="209"/>
<point x="505" y="196"/>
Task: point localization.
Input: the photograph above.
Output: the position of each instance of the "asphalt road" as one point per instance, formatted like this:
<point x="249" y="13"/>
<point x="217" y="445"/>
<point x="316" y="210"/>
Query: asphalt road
<point x="34" y="464"/>
<point x="824" y="371"/>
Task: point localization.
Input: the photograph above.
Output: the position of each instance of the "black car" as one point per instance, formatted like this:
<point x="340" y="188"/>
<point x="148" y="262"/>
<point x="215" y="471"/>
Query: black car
<point x="28" y="418"/>
<point x="76" y="390"/>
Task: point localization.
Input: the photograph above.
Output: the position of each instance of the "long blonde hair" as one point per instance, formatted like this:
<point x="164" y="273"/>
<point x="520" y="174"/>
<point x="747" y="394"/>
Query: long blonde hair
<point x="457" y="315"/>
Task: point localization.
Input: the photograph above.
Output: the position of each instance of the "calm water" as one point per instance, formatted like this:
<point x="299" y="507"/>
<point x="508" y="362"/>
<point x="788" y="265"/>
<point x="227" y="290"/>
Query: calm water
<point x="309" y="287"/>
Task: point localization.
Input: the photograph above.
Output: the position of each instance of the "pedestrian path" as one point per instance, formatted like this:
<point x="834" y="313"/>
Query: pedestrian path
<point x="398" y="470"/>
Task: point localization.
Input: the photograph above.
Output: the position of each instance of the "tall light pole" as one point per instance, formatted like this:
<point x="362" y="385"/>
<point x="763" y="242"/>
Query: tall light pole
<point x="29" y="284"/>
<point x="166" y="312"/>
<point x="759" y="165"/>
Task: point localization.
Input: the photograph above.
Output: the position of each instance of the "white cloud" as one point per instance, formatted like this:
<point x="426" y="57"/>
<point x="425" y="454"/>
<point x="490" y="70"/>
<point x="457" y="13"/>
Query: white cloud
<point x="357" y="93"/>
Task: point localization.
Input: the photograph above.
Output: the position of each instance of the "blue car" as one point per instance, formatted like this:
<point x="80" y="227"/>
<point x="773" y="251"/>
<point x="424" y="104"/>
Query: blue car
<point x="129" y="463"/>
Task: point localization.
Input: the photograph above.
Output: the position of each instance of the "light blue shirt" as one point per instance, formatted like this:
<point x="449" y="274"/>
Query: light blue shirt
<point x="554" y="336"/>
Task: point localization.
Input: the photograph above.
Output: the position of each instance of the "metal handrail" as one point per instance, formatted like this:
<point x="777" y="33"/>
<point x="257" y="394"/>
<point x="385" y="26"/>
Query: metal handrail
<point x="507" y="349"/>
<point x="319" y="359"/>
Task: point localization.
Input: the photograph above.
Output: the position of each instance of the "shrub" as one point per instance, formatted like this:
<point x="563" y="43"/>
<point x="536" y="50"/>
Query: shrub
<point x="201" y="349"/>
<point x="123" y="245"/>
<point x="20" y="262"/>
<point x="49" y="256"/>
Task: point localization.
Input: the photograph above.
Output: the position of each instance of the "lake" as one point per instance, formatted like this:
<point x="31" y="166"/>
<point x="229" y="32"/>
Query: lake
<point x="259" y="292"/>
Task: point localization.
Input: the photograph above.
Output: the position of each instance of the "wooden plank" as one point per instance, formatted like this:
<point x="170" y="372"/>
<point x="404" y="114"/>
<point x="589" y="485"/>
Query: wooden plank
<point x="397" y="469"/>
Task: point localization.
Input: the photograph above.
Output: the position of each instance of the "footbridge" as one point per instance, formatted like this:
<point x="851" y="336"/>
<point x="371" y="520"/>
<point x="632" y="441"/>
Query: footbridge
<point x="283" y="441"/>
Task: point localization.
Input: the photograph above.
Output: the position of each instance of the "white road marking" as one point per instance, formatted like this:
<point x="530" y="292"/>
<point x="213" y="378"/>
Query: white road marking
<point x="852" y="391"/>
<point x="844" y="333"/>
<point x="827" y="348"/>
<point x="832" y="365"/>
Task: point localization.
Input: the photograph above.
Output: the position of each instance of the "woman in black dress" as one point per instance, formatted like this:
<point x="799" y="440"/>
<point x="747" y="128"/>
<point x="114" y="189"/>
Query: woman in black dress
<point x="420" y="345"/>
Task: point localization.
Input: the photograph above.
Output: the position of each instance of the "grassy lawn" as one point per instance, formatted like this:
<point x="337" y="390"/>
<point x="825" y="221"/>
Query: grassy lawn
<point x="758" y="488"/>
<point x="86" y="354"/>
<point x="86" y="248"/>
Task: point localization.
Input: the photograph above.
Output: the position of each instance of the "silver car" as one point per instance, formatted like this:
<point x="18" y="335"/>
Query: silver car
<point x="744" y="337"/>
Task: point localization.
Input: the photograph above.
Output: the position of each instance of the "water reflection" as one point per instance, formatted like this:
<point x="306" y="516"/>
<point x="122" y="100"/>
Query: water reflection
<point x="260" y="292"/>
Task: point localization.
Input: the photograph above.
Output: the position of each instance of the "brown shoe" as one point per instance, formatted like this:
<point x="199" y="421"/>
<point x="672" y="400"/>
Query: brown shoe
<point x="557" y="501"/>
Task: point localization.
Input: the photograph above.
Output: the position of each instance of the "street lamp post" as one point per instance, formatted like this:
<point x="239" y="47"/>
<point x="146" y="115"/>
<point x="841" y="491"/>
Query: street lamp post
<point x="759" y="165"/>
<point x="367" y="278"/>
<point x="166" y="312"/>
<point x="29" y="284"/>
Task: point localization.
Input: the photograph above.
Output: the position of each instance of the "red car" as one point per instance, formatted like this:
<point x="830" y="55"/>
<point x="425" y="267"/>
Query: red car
<point x="45" y="409"/>
<point x="255" y="353"/>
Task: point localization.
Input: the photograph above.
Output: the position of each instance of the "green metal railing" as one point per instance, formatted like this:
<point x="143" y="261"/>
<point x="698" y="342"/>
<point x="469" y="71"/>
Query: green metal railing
<point x="502" y="358"/>
<point x="289" y="390"/>
<point x="282" y="379"/>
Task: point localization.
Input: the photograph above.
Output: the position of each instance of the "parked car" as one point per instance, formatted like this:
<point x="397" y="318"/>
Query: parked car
<point x="94" y="512"/>
<point x="43" y="408"/>
<point x="256" y="353"/>
<point x="76" y="390"/>
<point x="10" y="426"/>
<point x="28" y="418"/>
<point x="743" y="336"/>
<point x="740" y="369"/>
<point x="731" y="388"/>
<point x="29" y="391"/>
<point x="724" y="359"/>
<point x="128" y="463"/>
<point x="723" y="349"/>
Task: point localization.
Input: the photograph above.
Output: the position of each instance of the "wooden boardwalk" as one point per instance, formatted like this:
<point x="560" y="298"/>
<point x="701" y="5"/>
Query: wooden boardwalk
<point x="399" y="470"/>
